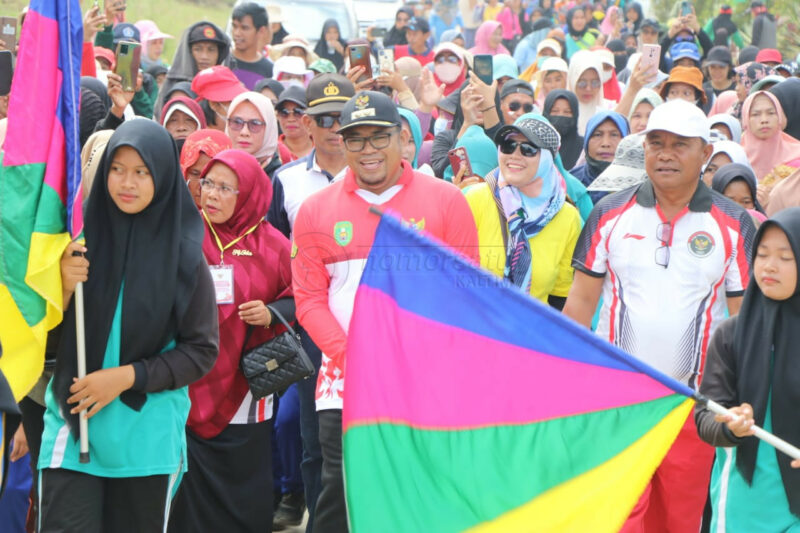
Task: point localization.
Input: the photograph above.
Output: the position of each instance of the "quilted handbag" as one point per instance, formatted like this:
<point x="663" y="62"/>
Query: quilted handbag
<point x="276" y="364"/>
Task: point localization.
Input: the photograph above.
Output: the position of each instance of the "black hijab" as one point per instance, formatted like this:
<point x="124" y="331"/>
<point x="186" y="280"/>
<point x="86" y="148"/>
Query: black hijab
<point x="155" y="252"/>
<point x="97" y="87"/>
<point x="733" y="171"/>
<point x="620" y="60"/>
<point x="322" y="45"/>
<point x="394" y="36"/>
<point x="788" y="94"/>
<point x="766" y="340"/>
<point x="572" y="31"/>
<point x="567" y="127"/>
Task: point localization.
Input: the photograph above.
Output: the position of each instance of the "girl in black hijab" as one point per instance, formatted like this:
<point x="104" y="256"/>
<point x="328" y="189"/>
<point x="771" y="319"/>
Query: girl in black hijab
<point x="732" y="174"/>
<point x="753" y="369"/>
<point x="567" y="126"/>
<point x="326" y="46"/>
<point x="397" y="35"/>
<point x="151" y="329"/>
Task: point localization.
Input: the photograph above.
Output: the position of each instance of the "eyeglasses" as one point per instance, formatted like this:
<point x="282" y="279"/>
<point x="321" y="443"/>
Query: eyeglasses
<point x="514" y="107"/>
<point x="327" y="121"/>
<point x="224" y="190"/>
<point x="253" y="125"/>
<point x="585" y="84"/>
<point x="663" y="234"/>
<point x="446" y="58"/>
<point x="508" y="147"/>
<point x="379" y="141"/>
<point x="296" y="112"/>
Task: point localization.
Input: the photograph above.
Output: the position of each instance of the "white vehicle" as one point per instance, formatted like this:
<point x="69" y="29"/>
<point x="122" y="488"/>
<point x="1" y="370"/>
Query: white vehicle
<point x="379" y="13"/>
<point x="306" y="17"/>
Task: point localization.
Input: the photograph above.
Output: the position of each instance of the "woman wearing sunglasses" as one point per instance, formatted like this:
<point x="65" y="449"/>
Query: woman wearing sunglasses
<point x="294" y="141"/>
<point x="585" y="80"/>
<point x="526" y="229"/>
<point x="252" y="128"/>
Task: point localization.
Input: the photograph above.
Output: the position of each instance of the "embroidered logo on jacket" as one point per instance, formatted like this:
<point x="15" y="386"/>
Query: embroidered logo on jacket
<point x="701" y="244"/>
<point x="243" y="252"/>
<point x="343" y="232"/>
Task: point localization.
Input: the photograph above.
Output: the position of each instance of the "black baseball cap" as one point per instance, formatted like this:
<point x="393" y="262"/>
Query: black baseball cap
<point x="516" y="86"/>
<point x="328" y="93"/>
<point x="369" y="108"/>
<point x="650" y="23"/>
<point x="418" y="23"/>
<point x="294" y="94"/>
<point x="719" y="55"/>
<point x="206" y="32"/>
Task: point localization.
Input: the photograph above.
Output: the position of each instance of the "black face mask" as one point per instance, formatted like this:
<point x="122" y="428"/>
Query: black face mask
<point x="630" y="50"/>
<point x="620" y="61"/>
<point x="179" y="144"/>
<point x="563" y="125"/>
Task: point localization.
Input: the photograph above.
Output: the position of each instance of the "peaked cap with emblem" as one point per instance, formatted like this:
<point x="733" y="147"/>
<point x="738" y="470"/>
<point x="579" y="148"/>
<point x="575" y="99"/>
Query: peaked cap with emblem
<point x="327" y="93"/>
<point x="369" y="108"/>
<point x="539" y="133"/>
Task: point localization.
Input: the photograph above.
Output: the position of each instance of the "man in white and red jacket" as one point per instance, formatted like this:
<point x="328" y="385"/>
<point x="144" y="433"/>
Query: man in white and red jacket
<point x="333" y="234"/>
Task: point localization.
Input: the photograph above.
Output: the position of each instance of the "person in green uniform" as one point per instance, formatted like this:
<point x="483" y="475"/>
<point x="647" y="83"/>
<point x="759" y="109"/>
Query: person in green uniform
<point x="753" y="370"/>
<point x="151" y="330"/>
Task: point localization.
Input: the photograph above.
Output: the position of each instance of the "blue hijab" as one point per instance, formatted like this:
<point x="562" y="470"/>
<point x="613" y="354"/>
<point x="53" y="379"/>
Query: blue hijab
<point x="416" y="131"/>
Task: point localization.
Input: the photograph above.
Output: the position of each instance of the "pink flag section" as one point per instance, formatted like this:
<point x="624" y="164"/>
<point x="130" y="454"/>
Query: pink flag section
<point x="33" y="124"/>
<point x="463" y="383"/>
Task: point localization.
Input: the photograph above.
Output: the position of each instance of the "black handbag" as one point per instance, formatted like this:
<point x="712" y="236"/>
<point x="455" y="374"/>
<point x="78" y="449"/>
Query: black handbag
<point x="273" y="366"/>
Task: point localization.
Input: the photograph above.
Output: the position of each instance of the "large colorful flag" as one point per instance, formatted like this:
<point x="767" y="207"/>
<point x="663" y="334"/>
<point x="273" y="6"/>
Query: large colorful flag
<point x="469" y="406"/>
<point x="39" y="185"/>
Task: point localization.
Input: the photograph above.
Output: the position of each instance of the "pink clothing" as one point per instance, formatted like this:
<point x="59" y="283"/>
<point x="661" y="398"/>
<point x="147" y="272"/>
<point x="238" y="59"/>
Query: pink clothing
<point x="607" y="27"/>
<point x="482" y="40"/>
<point x="723" y="103"/>
<point x="510" y="22"/>
<point x="766" y="154"/>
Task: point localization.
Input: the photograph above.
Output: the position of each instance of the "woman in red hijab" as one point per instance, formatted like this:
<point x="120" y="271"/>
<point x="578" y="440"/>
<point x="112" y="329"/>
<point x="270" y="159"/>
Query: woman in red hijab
<point x="229" y="483"/>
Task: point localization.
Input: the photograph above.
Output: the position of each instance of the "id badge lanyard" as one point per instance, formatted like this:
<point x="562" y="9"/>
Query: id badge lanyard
<point x="222" y="274"/>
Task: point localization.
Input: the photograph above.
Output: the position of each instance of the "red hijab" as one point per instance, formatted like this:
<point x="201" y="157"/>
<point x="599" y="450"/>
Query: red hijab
<point x="188" y="106"/>
<point x="263" y="272"/>
<point x="206" y="141"/>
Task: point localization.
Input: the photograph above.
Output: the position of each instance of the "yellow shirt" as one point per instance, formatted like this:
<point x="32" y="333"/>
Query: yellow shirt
<point x="490" y="13"/>
<point x="551" y="248"/>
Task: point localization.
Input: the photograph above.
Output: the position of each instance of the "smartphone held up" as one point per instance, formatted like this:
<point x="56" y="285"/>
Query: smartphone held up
<point x="128" y="59"/>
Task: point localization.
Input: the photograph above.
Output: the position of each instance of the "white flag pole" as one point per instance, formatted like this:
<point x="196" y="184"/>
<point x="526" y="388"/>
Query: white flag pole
<point x="80" y="335"/>
<point x="767" y="437"/>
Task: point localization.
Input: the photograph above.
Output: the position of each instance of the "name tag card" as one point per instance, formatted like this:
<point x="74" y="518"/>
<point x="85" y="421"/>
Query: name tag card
<point x="223" y="283"/>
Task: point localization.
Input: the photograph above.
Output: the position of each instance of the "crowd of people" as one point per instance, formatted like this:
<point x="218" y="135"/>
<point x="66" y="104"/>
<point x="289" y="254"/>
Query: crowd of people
<point x="640" y="176"/>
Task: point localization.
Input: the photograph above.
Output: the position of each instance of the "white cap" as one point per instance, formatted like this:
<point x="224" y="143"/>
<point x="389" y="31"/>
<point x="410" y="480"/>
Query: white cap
<point x="554" y="63"/>
<point x="681" y="118"/>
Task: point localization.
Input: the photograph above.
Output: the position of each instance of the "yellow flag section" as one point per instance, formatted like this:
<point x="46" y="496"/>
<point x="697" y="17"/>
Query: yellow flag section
<point x="24" y="344"/>
<point x="593" y="501"/>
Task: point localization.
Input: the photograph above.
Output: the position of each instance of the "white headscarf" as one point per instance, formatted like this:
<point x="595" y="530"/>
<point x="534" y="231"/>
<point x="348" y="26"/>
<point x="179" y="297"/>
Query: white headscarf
<point x="580" y="62"/>
<point x="731" y="122"/>
<point x="267" y="112"/>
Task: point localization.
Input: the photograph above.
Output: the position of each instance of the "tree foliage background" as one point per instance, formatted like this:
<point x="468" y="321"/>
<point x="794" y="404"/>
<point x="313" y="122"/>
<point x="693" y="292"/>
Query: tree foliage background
<point x="787" y="11"/>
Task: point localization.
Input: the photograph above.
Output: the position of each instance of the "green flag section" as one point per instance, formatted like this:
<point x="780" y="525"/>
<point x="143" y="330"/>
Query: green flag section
<point x="456" y="480"/>
<point x="32" y="237"/>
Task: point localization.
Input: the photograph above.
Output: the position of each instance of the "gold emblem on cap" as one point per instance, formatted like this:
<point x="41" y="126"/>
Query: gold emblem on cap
<point x="362" y="101"/>
<point x="331" y="90"/>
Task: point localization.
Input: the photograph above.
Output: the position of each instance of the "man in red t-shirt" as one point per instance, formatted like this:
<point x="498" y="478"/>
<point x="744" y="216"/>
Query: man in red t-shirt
<point x="418" y="31"/>
<point x="333" y="234"/>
